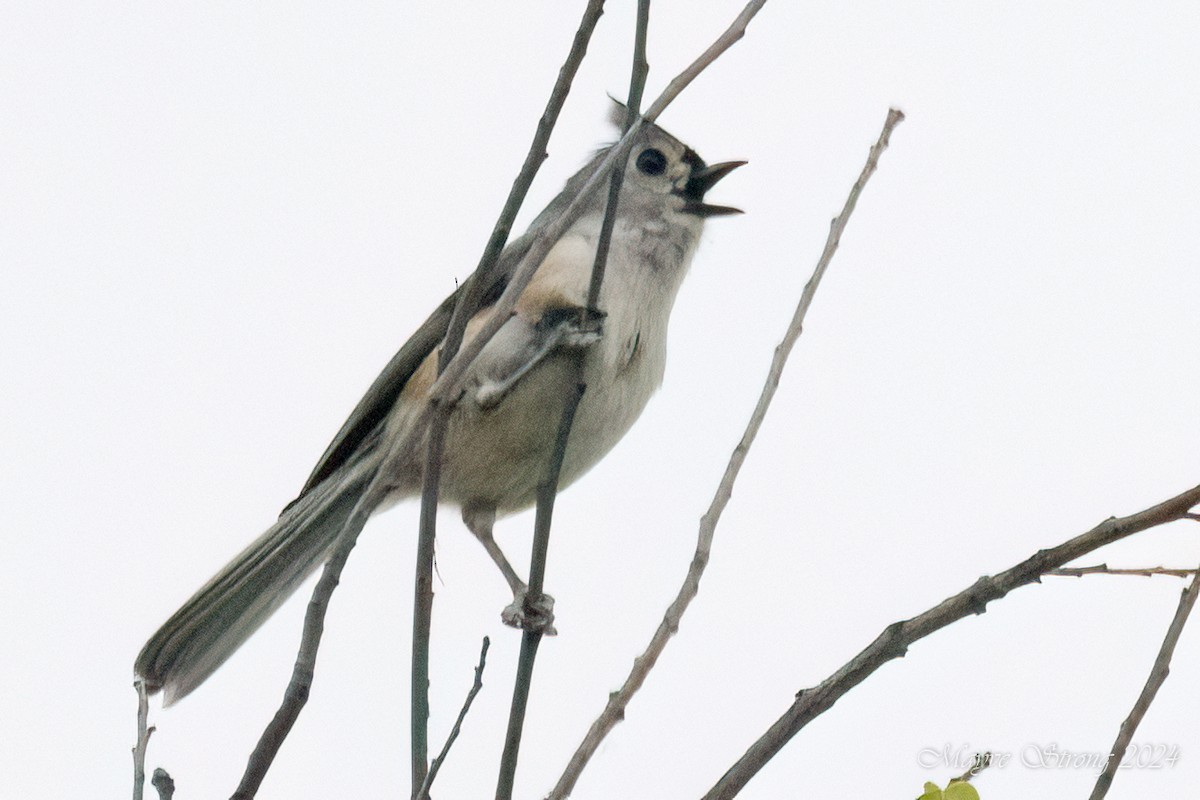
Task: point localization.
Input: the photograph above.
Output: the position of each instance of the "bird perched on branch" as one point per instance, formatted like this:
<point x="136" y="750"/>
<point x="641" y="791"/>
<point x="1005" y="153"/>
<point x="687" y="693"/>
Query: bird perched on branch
<point x="501" y="433"/>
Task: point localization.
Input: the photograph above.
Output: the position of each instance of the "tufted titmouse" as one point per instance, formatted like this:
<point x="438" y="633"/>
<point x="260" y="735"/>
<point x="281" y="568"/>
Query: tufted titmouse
<point x="501" y="433"/>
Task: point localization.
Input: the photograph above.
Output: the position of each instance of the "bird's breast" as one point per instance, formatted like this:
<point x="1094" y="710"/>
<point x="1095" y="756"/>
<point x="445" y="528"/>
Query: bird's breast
<point x="498" y="456"/>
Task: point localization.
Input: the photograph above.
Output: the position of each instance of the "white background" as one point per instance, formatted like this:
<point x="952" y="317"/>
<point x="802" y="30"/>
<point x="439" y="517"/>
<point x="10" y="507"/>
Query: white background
<point x="219" y="220"/>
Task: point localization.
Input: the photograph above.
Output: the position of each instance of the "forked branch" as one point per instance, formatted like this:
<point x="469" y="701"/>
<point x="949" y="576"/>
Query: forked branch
<point x="899" y="636"/>
<point x="1158" y="675"/>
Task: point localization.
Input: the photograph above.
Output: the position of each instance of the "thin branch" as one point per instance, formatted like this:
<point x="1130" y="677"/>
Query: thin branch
<point x="422" y="624"/>
<point x="895" y="640"/>
<point x="1158" y="674"/>
<point x="548" y="490"/>
<point x="614" y="711"/>
<point x="479" y="283"/>
<point x="735" y="31"/>
<point x="641" y="65"/>
<point x="423" y="794"/>
<point x="532" y="638"/>
<point x="637" y="85"/>
<point x="1104" y="569"/>
<point x="143" y="739"/>
<point x="468" y="302"/>
<point x="981" y="762"/>
<point x="296" y="694"/>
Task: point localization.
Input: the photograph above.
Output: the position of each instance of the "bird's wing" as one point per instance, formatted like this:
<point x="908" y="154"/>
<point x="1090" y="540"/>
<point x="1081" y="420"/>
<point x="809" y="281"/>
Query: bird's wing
<point x="358" y="429"/>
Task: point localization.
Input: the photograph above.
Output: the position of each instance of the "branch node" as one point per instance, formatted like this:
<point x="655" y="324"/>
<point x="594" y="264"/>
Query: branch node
<point x="892" y="637"/>
<point x="978" y="601"/>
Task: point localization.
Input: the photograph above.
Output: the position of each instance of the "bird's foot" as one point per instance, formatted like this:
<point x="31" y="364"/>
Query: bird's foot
<point x="532" y="614"/>
<point x="572" y="328"/>
<point x="580" y="335"/>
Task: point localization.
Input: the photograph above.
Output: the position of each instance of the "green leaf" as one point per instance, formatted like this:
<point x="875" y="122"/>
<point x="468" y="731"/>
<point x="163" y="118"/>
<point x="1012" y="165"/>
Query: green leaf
<point x="932" y="792"/>
<point x="960" y="790"/>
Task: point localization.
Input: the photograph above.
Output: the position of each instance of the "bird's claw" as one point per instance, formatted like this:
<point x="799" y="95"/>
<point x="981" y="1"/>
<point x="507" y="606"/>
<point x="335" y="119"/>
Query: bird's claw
<point x="578" y="335"/>
<point x="574" y="328"/>
<point x="532" y="614"/>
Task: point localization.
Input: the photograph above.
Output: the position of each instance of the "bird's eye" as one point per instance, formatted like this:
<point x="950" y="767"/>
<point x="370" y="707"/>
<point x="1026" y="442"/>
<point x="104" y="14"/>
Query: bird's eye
<point x="652" y="162"/>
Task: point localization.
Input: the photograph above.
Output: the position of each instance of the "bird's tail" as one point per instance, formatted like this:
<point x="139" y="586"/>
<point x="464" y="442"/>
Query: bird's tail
<point x="214" y="623"/>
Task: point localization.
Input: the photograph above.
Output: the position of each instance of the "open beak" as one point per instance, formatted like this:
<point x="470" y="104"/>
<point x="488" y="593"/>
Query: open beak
<point x="703" y="179"/>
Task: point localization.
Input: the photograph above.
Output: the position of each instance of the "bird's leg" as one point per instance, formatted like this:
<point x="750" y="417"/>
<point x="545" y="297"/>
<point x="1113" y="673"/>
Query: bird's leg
<point x="479" y="522"/>
<point x="558" y="329"/>
<point x="525" y="612"/>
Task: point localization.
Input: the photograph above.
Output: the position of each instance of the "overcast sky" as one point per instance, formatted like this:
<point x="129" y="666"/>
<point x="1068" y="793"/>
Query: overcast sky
<point x="219" y="220"/>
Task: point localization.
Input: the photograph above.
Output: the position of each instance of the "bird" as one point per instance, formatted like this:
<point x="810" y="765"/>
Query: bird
<point x="501" y="432"/>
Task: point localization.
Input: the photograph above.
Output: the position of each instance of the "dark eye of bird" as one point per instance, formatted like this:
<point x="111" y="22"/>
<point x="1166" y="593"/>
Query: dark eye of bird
<point x="652" y="162"/>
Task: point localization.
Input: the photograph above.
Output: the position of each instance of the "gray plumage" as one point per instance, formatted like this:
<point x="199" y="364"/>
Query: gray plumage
<point x="500" y="435"/>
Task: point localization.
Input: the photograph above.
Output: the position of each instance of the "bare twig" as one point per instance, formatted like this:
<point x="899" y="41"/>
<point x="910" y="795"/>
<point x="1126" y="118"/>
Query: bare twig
<point x="637" y="85"/>
<point x="548" y="490"/>
<point x="530" y="639"/>
<point x="735" y="31"/>
<point x="143" y="739"/>
<point x="296" y="694"/>
<point x="981" y="762"/>
<point x="479" y="283"/>
<point x="614" y="711"/>
<point x="1104" y="569"/>
<point x="641" y="65"/>
<point x="423" y="794"/>
<point x="1158" y="674"/>
<point x="468" y="302"/>
<point x="895" y="640"/>
<point x="423" y="605"/>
